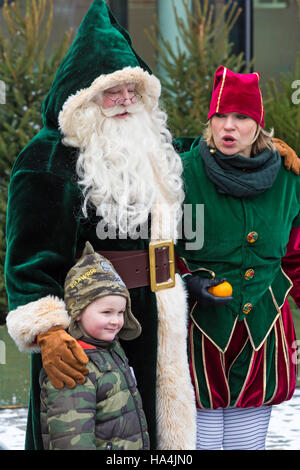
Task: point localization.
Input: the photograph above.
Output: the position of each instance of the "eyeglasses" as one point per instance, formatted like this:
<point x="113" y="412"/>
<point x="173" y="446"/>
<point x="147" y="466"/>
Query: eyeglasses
<point x="133" y="99"/>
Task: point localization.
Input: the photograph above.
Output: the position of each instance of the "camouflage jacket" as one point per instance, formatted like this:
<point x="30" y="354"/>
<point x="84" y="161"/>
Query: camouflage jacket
<point x="105" y="413"/>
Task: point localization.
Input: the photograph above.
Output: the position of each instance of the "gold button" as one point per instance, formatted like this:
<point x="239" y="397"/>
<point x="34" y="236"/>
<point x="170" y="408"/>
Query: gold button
<point x="249" y="274"/>
<point x="247" y="307"/>
<point x="252" y="237"/>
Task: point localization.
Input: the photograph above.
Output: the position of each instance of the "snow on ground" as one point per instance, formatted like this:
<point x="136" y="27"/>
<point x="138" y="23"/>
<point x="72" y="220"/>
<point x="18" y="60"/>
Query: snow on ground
<point x="284" y="429"/>
<point x="12" y="428"/>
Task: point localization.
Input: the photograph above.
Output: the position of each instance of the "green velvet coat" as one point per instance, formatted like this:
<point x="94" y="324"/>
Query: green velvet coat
<point x="45" y="226"/>
<point x="44" y="230"/>
<point x="244" y="241"/>
<point x="230" y="250"/>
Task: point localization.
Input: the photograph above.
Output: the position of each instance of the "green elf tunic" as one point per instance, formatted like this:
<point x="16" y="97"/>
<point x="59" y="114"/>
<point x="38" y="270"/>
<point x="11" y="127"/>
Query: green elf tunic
<point x="242" y="353"/>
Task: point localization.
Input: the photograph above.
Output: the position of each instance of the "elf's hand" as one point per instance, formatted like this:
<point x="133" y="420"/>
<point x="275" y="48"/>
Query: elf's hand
<point x="290" y="159"/>
<point x="197" y="288"/>
<point x="63" y="358"/>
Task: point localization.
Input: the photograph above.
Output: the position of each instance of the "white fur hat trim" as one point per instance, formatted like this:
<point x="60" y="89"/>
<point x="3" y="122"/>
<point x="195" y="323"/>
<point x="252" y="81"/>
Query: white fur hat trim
<point x="146" y="84"/>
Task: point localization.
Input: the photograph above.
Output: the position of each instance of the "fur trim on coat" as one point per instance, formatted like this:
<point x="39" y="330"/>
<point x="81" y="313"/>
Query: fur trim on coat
<point x="27" y="321"/>
<point x="175" y="396"/>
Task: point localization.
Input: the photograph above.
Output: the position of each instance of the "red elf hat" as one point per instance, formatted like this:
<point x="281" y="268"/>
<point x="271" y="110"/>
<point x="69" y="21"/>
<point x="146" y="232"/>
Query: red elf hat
<point x="237" y="92"/>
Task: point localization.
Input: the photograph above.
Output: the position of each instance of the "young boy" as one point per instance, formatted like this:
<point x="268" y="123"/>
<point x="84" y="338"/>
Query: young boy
<point x="104" y="413"/>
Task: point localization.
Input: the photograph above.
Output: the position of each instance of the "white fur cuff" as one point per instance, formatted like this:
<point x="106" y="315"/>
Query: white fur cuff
<point x="27" y="321"/>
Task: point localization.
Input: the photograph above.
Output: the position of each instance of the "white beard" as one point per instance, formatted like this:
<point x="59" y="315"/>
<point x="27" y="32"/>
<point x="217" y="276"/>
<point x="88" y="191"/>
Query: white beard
<point x="125" y="164"/>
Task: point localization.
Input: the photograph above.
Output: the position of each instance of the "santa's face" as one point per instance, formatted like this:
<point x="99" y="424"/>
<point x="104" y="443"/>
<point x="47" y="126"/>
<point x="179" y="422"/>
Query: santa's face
<point x="124" y="162"/>
<point x="119" y="95"/>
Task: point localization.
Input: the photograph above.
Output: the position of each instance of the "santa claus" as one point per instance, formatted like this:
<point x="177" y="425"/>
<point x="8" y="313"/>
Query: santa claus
<point x="103" y="170"/>
<point x="102" y="167"/>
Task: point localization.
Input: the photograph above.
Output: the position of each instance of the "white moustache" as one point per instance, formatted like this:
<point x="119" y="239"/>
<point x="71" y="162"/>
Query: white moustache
<point x="121" y="109"/>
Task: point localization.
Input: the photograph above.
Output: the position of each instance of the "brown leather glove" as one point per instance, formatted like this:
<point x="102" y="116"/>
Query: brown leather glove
<point x="63" y="358"/>
<point x="290" y="159"/>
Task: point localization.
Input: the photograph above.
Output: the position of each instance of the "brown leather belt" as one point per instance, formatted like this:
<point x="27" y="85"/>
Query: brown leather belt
<point x="134" y="266"/>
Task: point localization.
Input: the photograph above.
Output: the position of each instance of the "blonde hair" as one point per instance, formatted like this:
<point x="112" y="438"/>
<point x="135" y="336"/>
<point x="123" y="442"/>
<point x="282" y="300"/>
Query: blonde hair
<point x="261" y="140"/>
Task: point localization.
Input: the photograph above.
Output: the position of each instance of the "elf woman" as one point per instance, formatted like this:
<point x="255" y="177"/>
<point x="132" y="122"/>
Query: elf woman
<point x="242" y="350"/>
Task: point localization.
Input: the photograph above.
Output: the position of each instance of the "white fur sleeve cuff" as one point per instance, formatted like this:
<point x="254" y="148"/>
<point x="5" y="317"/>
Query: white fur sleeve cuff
<point x="27" y="321"/>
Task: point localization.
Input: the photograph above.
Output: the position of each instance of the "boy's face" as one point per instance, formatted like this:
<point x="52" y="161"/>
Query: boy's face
<point x="104" y="317"/>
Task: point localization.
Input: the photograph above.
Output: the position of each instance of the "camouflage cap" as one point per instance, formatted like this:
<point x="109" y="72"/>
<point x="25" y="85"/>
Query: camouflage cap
<point x="92" y="277"/>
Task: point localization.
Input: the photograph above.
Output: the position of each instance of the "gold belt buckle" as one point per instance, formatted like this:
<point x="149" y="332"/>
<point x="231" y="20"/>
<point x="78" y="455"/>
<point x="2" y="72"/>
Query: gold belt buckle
<point x="171" y="282"/>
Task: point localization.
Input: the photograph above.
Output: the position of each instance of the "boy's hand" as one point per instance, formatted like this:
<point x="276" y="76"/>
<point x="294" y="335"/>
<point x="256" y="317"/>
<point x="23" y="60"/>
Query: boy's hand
<point x="63" y="358"/>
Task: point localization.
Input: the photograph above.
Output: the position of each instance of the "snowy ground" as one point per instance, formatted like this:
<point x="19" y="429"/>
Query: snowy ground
<point x="284" y="430"/>
<point x="12" y="428"/>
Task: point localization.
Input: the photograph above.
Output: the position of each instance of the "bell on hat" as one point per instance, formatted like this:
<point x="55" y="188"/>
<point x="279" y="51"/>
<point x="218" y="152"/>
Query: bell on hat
<point x="92" y="277"/>
<point x="237" y="92"/>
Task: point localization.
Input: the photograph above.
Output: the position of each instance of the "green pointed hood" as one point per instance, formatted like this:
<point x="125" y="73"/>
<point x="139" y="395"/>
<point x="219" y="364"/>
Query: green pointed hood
<point x="100" y="56"/>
